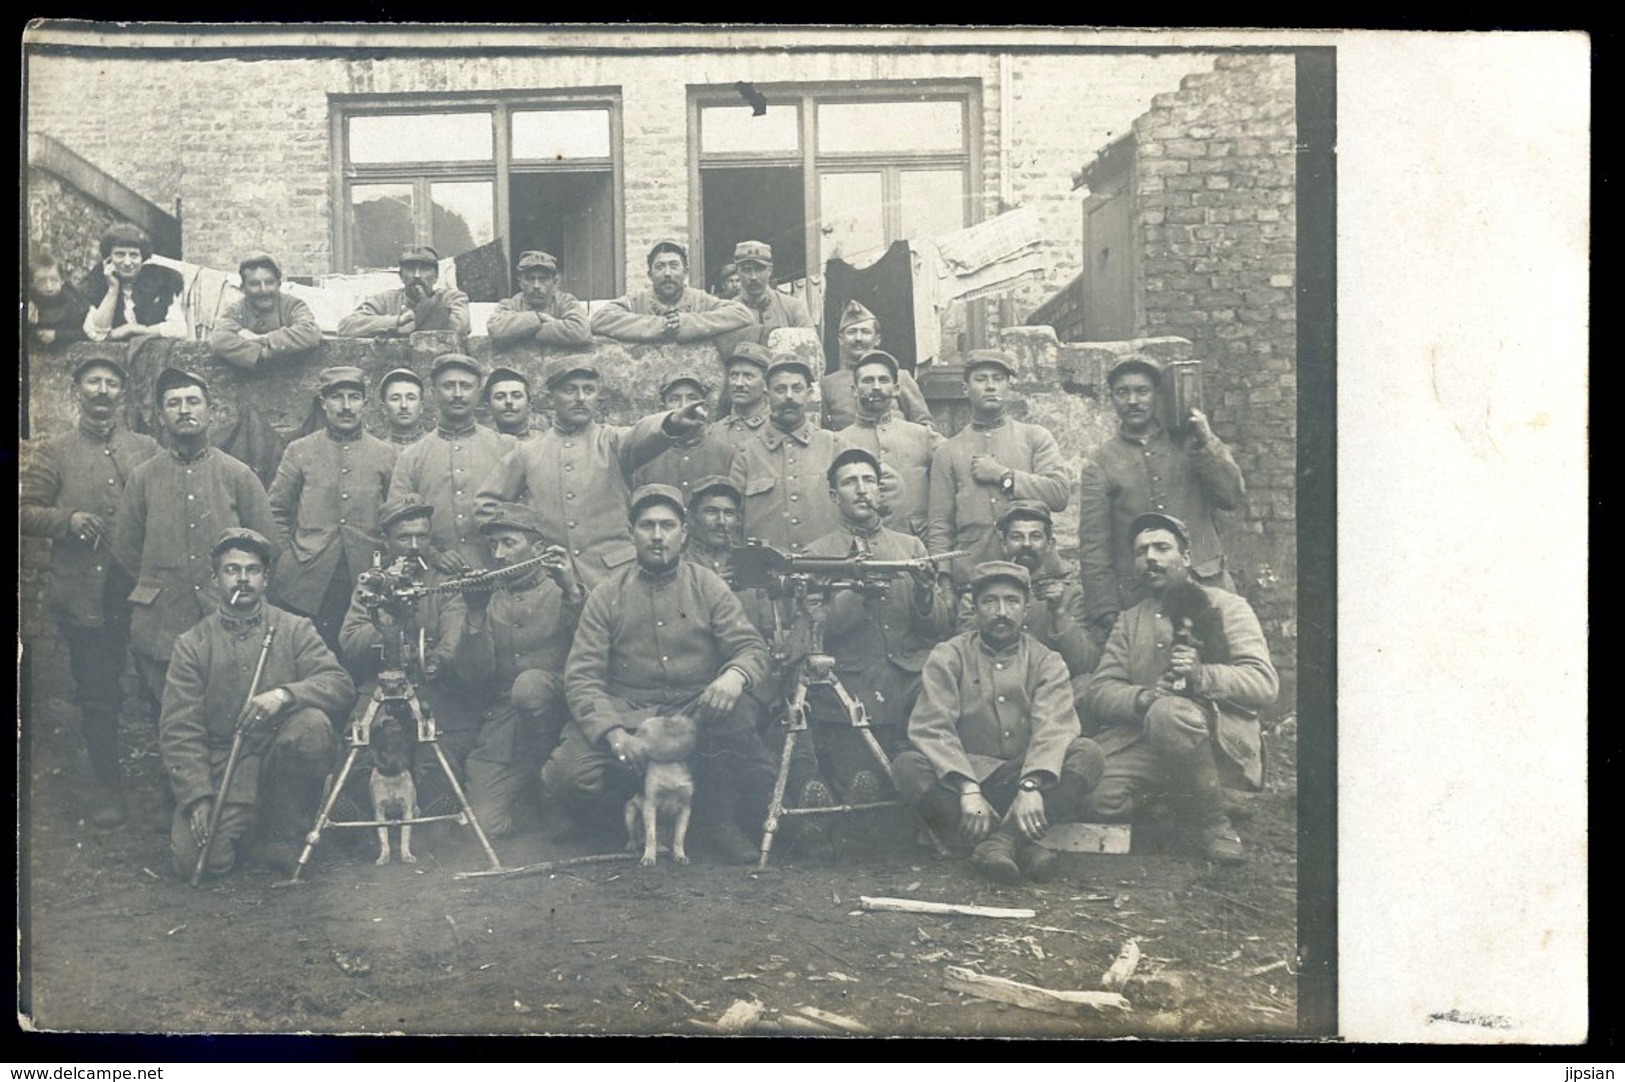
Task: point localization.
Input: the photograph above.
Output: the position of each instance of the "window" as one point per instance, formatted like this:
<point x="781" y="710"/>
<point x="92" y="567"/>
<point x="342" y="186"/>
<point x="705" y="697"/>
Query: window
<point x="459" y="172"/>
<point x="832" y="171"/>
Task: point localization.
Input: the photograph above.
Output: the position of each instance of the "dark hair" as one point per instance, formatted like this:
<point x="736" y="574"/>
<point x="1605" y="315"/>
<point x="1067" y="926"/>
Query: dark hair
<point x="42" y="261"/>
<point x="259" y="261"/>
<point x="125" y="235"/>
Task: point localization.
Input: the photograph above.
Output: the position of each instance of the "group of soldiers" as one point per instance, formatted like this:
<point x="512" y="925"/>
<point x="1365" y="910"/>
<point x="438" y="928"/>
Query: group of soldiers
<point x="1007" y="692"/>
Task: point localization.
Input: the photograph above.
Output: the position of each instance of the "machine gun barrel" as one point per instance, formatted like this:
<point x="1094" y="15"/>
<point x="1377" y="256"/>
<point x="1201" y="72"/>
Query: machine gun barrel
<point x="759" y="564"/>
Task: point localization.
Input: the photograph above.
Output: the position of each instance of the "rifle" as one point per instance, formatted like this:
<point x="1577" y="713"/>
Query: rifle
<point x="239" y="734"/>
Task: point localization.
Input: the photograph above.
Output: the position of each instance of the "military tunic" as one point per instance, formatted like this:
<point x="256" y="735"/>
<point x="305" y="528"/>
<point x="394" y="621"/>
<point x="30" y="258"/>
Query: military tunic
<point x="775" y="310"/>
<point x="963" y="511"/>
<point x="173" y="511"/>
<point x="443" y="310"/>
<point x="289" y="327"/>
<point x="515" y="321"/>
<point x="1125" y="478"/>
<point x="641" y="317"/>
<point x="446" y="469"/>
<point x="578" y="483"/>
<point x="326" y="496"/>
<point x="782" y="476"/>
<point x="686" y="461"/>
<point x="838" y="400"/>
<point x="905" y="447"/>
<point x="740" y="429"/>
<point x="85" y="471"/>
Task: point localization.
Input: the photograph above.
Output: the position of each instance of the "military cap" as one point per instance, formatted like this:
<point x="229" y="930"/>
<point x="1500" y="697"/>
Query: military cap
<point x="258" y="259"/>
<point x="561" y="368"/>
<point x="993" y="570"/>
<point x="1138" y="362"/>
<point x="984" y="358"/>
<point x="241" y="537"/>
<point x="420" y="253"/>
<point x="501" y="374"/>
<point x="514" y="516"/>
<point x="99" y="362"/>
<point x="455" y="360"/>
<point x="403" y="507"/>
<point x="170" y="378"/>
<point x="395" y="374"/>
<point x="684" y="375"/>
<point x="542" y="261"/>
<point x="855" y="312"/>
<point x="342" y="375"/>
<point x="754" y="352"/>
<point x="657" y="494"/>
<point x="752" y="251"/>
<point x="714" y="483"/>
<point x="1032" y="509"/>
<point x="667" y="245"/>
<point x="846" y="458"/>
<point x="790" y="360"/>
<point x="876" y="356"/>
<point x="1156" y="520"/>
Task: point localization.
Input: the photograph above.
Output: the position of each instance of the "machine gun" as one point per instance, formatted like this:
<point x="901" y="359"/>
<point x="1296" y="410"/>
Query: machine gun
<point x="803" y="579"/>
<point x="391" y="594"/>
<point x="759" y="565"/>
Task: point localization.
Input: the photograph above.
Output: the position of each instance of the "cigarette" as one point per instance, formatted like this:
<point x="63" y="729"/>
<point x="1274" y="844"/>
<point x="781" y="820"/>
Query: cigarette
<point x="236" y="593"/>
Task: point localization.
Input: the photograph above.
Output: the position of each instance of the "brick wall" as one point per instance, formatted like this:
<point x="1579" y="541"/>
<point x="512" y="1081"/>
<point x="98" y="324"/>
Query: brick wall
<point x="1215" y="192"/>
<point x="248" y="153"/>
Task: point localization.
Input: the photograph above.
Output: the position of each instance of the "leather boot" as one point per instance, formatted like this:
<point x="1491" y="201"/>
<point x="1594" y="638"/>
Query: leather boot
<point x="1036" y="862"/>
<point x="290" y="806"/>
<point x="995" y="857"/>
<point x="1220" y="843"/>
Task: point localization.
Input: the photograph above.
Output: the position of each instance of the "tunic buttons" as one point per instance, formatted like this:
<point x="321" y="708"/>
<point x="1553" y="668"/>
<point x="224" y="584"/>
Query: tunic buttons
<point x="1001" y="698"/>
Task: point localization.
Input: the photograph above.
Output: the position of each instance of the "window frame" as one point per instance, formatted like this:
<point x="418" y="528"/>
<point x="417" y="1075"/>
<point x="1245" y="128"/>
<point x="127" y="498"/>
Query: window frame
<point x="499" y="105"/>
<point x="806" y="96"/>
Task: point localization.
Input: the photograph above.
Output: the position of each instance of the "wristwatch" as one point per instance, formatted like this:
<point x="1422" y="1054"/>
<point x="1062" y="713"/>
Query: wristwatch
<point x="1028" y="785"/>
<point x="1007" y="483"/>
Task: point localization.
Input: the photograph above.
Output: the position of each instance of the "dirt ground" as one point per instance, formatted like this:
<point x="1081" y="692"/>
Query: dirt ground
<point x="112" y="942"/>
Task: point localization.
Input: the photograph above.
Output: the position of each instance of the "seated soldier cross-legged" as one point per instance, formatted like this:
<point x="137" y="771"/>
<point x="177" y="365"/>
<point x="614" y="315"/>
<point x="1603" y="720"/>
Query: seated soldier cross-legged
<point x="997" y="754"/>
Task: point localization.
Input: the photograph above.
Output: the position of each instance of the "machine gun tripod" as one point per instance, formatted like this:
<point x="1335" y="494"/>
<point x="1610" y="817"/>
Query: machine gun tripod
<point x="395" y="590"/>
<point x="807" y="581"/>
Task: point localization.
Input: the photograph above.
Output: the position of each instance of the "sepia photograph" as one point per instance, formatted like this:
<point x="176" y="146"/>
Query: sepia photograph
<point x="698" y="530"/>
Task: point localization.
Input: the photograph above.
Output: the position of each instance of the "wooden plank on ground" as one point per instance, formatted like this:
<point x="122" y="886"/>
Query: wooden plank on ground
<point x="1031" y="996"/>
<point x="1088" y="837"/>
<point x="911" y="905"/>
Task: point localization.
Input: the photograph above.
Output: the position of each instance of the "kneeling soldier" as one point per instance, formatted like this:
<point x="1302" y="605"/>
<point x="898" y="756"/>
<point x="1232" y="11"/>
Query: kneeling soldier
<point x="302" y="693"/>
<point x="997" y="753"/>
<point x="661" y="636"/>
<point x="514" y="644"/>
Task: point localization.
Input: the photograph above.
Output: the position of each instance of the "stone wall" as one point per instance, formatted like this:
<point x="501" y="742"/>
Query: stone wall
<point x="67" y="224"/>
<point x="1215" y="174"/>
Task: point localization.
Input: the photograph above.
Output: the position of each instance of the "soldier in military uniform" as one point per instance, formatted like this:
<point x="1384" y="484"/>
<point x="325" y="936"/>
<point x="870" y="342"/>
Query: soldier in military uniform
<point x="746" y="370"/>
<point x="576" y="475"/>
<point x="512" y="651"/>
<point x="174" y="505"/>
<point x="325" y="497"/>
<point x="859" y="334"/>
<point x="303" y="693"/>
<point x="71" y="486"/>
<point x="878" y="643"/>
<point x="669" y="311"/>
<point x="401" y="392"/>
<point x="507" y="395"/>
<point x="997" y="753"/>
<point x="540" y="313"/>
<point x="419" y="305"/>
<point x="699" y="454"/>
<point x="446" y="466"/>
<point x="902" y="445"/>
<point x="665" y="635"/>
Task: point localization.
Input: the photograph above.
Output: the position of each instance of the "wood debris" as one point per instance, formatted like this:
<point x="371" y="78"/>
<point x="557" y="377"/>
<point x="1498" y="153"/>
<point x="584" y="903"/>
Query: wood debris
<point x="1073" y="1004"/>
<point x="1128" y="959"/>
<point x="910" y="905"/>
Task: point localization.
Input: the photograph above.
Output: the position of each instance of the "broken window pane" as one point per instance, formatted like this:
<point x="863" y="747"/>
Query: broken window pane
<point x="421" y="137"/>
<point x="464" y="217"/>
<point x="381" y="224"/>
<point x="933" y="202"/>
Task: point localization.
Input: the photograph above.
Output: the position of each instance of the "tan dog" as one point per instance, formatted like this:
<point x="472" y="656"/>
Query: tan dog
<point x="394" y="793"/>
<point x="668" y="786"/>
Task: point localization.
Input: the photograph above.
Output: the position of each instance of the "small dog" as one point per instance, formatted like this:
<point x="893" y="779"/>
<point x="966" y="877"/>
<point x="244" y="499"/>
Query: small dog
<point x="668" y="786"/>
<point x="394" y="793"/>
<point x="1196" y="622"/>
